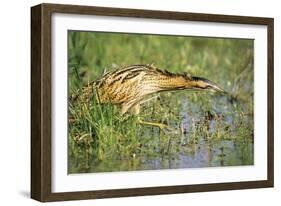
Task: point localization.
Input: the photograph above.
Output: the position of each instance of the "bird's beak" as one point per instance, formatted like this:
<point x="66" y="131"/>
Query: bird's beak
<point x="216" y="88"/>
<point x="202" y="83"/>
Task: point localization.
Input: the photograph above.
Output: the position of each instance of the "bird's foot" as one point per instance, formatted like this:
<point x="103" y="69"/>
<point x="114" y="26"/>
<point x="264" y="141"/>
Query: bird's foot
<point x="161" y="126"/>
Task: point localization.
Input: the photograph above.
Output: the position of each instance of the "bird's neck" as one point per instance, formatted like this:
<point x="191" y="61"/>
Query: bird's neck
<point x="173" y="83"/>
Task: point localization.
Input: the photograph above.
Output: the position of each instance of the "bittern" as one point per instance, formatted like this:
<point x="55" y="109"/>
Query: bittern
<point x="130" y="86"/>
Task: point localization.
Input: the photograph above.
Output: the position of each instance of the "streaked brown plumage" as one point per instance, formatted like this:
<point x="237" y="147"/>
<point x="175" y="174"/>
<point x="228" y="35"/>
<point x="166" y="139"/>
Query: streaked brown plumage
<point x="129" y="86"/>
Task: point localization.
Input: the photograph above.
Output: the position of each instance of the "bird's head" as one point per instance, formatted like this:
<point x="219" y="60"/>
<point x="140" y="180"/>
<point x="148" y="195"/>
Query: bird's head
<point x="199" y="83"/>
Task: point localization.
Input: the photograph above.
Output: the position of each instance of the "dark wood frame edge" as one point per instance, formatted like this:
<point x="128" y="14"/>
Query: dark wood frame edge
<point x="41" y="101"/>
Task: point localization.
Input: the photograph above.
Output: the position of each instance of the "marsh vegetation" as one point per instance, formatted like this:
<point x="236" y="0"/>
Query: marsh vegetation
<point x="208" y="129"/>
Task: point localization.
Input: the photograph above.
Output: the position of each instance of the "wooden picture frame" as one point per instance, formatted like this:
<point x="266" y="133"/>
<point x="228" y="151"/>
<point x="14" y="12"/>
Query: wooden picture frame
<point x="41" y="96"/>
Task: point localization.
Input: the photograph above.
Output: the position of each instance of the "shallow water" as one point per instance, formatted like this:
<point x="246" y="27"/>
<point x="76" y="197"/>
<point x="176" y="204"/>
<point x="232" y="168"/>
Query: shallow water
<point x="224" y="153"/>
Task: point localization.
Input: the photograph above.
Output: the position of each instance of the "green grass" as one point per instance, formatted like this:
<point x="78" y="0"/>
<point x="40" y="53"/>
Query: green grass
<point x="100" y="139"/>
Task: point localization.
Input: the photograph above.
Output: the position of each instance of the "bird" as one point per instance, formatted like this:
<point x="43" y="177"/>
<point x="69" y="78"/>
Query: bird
<point x="130" y="86"/>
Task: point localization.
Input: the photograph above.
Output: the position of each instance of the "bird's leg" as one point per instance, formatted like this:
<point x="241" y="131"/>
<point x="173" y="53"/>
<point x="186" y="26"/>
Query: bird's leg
<point x="136" y="109"/>
<point x="160" y="125"/>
